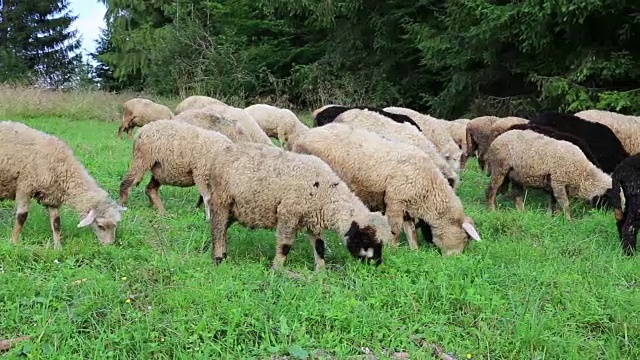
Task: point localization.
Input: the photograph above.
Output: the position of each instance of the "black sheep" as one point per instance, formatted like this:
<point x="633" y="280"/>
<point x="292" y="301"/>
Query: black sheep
<point x="330" y="113"/>
<point x="627" y="177"/>
<point x="561" y="135"/>
<point x="604" y="144"/>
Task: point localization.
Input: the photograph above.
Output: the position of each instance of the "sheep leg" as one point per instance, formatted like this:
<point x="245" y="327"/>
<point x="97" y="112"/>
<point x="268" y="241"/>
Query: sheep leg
<point x="409" y="228"/>
<point x="152" y="191"/>
<point x="131" y="179"/>
<point x="498" y="175"/>
<point x="130" y="132"/>
<point x="317" y="244"/>
<point x="394" y="212"/>
<point x="54" y="220"/>
<point x="560" y="193"/>
<point x="199" y="202"/>
<point x="285" y="235"/>
<point x="205" y="194"/>
<point x="516" y="192"/>
<point x="553" y="204"/>
<point x="22" y="211"/>
<point x="219" y="223"/>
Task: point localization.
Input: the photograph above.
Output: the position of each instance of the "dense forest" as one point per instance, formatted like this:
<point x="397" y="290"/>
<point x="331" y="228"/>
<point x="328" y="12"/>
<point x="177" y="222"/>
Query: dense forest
<point x="449" y="58"/>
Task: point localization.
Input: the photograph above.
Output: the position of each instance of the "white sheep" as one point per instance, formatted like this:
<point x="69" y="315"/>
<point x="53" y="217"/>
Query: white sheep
<point x="248" y="123"/>
<point x="276" y="122"/>
<point x="403" y="132"/>
<point x="195" y="102"/>
<point x="138" y="112"/>
<point x="478" y="137"/>
<point x="531" y="159"/>
<point x="177" y="154"/>
<point x="395" y="177"/>
<point x="266" y="187"/>
<point x="37" y="165"/>
<point x="213" y="121"/>
<point x="435" y="131"/>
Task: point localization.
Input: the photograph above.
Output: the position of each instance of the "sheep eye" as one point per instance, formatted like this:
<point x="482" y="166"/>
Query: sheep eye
<point x="101" y="227"/>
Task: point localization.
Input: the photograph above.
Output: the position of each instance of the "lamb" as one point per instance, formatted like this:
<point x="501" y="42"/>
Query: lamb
<point x="558" y="135"/>
<point x="478" y="136"/>
<point x="177" y="154"/>
<point x="626" y="177"/>
<point x="138" y="112"/>
<point x="266" y="187"/>
<point x="248" y="123"/>
<point x="602" y="140"/>
<point x="377" y="123"/>
<point x="328" y="113"/>
<point x="394" y="177"/>
<point x="196" y="102"/>
<point x="276" y="122"/>
<point x="625" y="127"/>
<point x="534" y="160"/>
<point x="433" y="129"/>
<point x="37" y="165"/>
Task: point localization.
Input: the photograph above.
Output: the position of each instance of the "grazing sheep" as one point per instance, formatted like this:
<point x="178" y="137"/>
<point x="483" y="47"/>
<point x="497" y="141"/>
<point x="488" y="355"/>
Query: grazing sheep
<point x="248" y="123"/>
<point x="139" y="112"/>
<point x="372" y="121"/>
<point x="196" y="102"/>
<point x="602" y="140"/>
<point x="433" y="129"/>
<point x="626" y="177"/>
<point x="266" y="187"/>
<point x="394" y="177"/>
<point x="276" y="122"/>
<point x="558" y="135"/>
<point x="37" y="165"/>
<point x="458" y="131"/>
<point x="625" y="127"/>
<point x="213" y="121"/>
<point x="328" y="113"/>
<point x="177" y="154"/>
<point x="502" y="125"/>
<point x="478" y="136"/>
<point x="534" y="160"/>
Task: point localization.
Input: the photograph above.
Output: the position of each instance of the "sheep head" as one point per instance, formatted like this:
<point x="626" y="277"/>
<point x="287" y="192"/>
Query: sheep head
<point x="363" y="243"/>
<point x="103" y="219"/>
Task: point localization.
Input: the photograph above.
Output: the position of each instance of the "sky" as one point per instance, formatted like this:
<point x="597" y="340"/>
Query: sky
<point x="89" y="22"/>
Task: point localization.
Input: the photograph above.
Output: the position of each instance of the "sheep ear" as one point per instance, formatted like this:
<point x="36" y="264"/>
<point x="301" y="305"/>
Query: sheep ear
<point x="470" y="229"/>
<point x="89" y="219"/>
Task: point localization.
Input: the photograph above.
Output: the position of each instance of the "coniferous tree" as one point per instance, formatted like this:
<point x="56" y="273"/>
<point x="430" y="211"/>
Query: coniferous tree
<point x="36" y="37"/>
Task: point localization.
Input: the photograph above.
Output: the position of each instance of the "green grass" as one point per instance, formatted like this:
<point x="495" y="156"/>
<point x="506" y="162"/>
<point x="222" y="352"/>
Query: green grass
<point x="536" y="287"/>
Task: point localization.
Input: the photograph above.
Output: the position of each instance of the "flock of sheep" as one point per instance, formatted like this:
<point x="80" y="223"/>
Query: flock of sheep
<point x="364" y="172"/>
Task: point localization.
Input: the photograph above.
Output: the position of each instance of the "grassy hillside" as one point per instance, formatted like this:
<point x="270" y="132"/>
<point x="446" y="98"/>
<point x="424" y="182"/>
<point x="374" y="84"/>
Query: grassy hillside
<point x="536" y="287"/>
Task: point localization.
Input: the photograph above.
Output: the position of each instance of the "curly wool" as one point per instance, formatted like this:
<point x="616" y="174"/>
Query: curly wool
<point x="213" y="121"/>
<point x="534" y="160"/>
<point x="625" y="127"/>
<point x="372" y="121"/>
<point x="390" y="175"/>
<point x="196" y="102"/>
<point x="139" y="112"/>
<point x="246" y="121"/>
<point x="177" y="154"/>
<point x="478" y="137"/>
<point x="37" y="165"/>
<point x="266" y="187"/>
<point x="276" y="122"/>
<point x="433" y="129"/>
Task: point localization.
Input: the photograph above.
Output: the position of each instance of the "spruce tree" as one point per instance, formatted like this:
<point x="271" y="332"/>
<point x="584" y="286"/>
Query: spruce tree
<point x="36" y="36"/>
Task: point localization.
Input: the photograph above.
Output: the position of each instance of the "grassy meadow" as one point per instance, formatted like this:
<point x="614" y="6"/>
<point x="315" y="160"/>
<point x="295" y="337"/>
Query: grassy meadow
<point x="536" y="287"/>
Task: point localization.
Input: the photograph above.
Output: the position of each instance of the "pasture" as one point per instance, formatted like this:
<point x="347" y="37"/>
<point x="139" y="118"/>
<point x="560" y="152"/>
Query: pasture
<point x="536" y="287"/>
